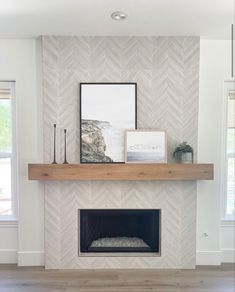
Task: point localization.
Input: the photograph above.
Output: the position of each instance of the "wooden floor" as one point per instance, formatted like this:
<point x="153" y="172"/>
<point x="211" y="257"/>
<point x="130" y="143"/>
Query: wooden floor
<point x="203" y="279"/>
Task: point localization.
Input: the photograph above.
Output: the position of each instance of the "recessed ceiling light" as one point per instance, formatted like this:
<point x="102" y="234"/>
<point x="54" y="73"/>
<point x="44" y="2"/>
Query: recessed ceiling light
<point x="118" y="15"/>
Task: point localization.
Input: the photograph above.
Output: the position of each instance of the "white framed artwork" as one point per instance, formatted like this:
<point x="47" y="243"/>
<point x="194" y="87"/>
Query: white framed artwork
<point x="145" y="146"/>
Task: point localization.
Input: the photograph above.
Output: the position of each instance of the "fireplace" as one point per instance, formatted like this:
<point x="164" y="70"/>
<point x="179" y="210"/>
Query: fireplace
<point x="119" y="231"/>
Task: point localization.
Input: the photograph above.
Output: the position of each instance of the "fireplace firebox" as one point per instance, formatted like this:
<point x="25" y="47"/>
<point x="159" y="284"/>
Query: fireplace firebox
<point x="123" y="231"/>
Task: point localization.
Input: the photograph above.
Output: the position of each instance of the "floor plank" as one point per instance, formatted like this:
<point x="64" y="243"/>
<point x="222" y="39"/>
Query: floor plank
<point x="203" y="279"/>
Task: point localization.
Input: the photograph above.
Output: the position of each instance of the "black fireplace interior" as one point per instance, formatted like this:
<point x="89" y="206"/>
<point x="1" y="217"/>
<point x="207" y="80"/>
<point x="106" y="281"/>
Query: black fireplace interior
<point x="120" y="230"/>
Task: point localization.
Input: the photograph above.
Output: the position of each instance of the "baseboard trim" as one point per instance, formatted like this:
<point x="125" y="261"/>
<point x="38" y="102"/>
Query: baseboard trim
<point x="208" y="258"/>
<point x="8" y="256"/>
<point x="36" y="258"/>
<point x="228" y="255"/>
<point x="31" y="258"/>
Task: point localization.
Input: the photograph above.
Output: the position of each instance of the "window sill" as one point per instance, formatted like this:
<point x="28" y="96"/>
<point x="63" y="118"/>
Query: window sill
<point x="228" y="221"/>
<point x="8" y="221"/>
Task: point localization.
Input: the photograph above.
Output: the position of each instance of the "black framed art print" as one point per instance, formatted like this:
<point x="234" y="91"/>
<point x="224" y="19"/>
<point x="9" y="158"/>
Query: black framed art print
<point x="107" y="110"/>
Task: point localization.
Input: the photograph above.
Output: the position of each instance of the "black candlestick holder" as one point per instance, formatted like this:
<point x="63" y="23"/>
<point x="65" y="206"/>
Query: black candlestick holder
<point x="65" y="147"/>
<point x="54" y="160"/>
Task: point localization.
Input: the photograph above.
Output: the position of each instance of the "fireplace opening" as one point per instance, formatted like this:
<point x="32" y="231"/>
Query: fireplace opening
<point x="126" y="231"/>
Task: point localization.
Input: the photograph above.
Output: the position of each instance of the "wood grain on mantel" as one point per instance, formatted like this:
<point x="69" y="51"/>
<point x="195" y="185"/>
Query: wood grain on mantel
<point x="163" y="171"/>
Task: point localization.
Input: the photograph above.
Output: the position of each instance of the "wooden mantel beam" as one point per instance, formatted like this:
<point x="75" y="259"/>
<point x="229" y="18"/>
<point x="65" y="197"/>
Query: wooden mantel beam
<point x="163" y="171"/>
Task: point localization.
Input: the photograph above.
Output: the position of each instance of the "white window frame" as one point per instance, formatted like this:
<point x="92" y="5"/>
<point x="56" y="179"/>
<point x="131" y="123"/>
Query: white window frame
<point x="229" y="85"/>
<point x="10" y="85"/>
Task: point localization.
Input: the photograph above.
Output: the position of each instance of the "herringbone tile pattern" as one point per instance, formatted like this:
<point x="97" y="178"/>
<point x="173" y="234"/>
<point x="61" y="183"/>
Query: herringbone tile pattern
<point x="166" y="71"/>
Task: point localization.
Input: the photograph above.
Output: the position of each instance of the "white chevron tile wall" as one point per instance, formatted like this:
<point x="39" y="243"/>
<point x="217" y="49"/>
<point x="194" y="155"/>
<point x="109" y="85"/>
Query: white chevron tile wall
<point x="166" y="70"/>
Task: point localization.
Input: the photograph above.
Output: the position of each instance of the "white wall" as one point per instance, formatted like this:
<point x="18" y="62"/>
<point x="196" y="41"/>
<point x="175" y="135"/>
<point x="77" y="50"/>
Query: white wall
<point x="19" y="62"/>
<point x="214" y="69"/>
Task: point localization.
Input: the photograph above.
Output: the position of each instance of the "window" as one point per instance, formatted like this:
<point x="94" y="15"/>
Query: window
<point x="7" y="157"/>
<point x="229" y="185"/>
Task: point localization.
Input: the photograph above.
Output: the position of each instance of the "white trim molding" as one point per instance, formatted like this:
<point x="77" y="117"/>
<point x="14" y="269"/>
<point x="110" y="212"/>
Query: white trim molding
<point x="8" y="228"/>
<point x="8" y="223"/>
<point x="227" y="87"/>
<point x="227" y="223"/>
<point x="208" y="258"/>
<point x="215" y="258"/>
<point x="8" y="256"/>
<point x="10" y="85"/>
<point x="228" y="255"/>
<point x="31" y="258"/>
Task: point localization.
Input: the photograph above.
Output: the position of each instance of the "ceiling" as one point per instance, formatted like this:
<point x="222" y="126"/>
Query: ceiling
<point x="30" y="18"/>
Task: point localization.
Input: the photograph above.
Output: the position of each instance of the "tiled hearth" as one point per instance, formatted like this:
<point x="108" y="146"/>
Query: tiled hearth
<point x="166" y="72"/>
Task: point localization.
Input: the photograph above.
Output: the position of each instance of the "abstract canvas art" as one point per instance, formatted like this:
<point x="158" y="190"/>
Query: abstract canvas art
<point x="106" y="111"/>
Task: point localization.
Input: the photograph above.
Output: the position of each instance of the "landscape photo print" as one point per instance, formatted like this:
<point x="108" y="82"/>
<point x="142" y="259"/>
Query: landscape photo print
<point x="106" y="111"/>
<point x="145" y="146"/>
